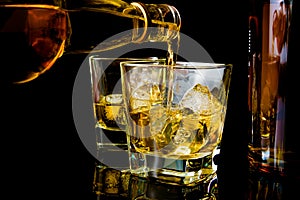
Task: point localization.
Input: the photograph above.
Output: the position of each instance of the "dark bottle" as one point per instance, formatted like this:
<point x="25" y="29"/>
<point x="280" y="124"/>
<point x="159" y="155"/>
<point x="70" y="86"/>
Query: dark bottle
<point x="32" y="38"/>
<point x="273" y="153"/>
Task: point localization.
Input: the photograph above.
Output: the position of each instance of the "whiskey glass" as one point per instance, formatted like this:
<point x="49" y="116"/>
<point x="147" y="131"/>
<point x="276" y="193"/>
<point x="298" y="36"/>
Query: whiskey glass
<point x="175" y="118"/>
<point x="112" y="166"/>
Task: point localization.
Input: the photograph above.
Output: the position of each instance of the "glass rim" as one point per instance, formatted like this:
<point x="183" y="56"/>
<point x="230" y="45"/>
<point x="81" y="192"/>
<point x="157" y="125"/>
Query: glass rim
<point x="179" y="65"/>
<point x="97" y="57"/>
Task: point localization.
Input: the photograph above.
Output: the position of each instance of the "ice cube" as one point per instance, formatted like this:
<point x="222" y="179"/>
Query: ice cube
<point x="184" y="80"/>
<point x="158" y="117"/>
<point x="198" y="100"/>
<point x="144" y="96"/>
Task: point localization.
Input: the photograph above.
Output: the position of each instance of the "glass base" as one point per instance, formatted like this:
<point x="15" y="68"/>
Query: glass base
<point x="113" y="156"/>
<point x="174" y="171"/>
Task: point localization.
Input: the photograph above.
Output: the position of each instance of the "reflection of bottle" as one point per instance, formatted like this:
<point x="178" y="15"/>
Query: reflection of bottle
<point x="272" y="155"/>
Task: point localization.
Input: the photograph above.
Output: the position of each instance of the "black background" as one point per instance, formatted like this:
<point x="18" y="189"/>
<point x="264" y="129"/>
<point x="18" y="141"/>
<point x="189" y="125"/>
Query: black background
<point x="42" y="155"/>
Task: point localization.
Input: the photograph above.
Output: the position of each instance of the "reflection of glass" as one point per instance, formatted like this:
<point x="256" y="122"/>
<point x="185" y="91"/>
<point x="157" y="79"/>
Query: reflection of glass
<point x="175" y="117"/>
<point x="150" y="189"/>
<point x="32" y="37"/>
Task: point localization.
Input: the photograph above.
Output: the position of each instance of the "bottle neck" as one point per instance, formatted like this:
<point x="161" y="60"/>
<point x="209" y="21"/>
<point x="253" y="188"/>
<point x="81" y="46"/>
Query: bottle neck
<point x="146" y="22"/>
<point x="162" y="22"/>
